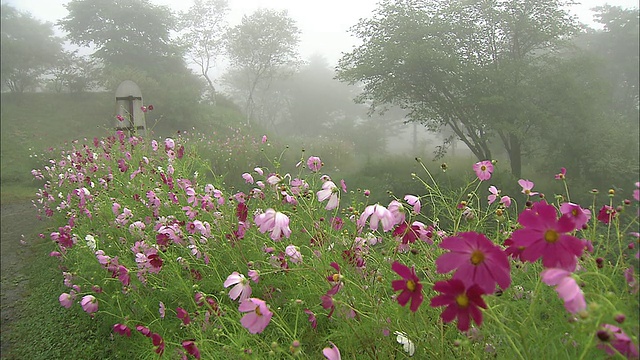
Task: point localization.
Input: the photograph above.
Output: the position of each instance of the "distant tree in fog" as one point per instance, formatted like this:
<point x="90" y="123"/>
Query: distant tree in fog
<point x="73" y="73"/>
<point x="203" y="33"/>
<point x="29" y="49"/>
<point x="262" y="48"/>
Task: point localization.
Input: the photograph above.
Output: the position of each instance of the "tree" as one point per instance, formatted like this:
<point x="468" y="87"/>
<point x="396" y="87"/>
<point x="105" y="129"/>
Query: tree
<point x="73" y="73"/>
<point x="29" y="48"/>
<point x="133" y="33"/>
<point x="204" y="28"/>
<point x="261" y="48"/>
<point x="459" y="64"/>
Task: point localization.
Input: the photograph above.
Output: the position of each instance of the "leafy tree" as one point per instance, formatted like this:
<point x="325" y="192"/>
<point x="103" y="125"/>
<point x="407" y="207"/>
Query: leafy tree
<point x="263" y="47"/>
<point x="459" y="64"/>
<point x="204" y="28"/>
<point x="132" y="33"/>
<point x="74" y="73"/>
<point x="29" y="48"/>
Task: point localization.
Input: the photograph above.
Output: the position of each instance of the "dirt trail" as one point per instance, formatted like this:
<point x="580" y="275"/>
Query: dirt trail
<point x="17" y="219"/>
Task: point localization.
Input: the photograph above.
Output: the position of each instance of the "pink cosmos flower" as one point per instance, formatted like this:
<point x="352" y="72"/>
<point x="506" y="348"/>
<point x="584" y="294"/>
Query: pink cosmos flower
<point x="254" y="275"/>
<point x="122" y="329"/>
<point x="183" y="315"/>
<point x="191" y="348"/>
<point x="636" y="192"/>
<point x="331" y="353"/>
<point x="476" y="261"/>
<point x="460" y="302"/>
<point x="89" y="304"/>
<point x="397" y="210"/>
<point x="527" y="186"/>
<point x="613" y="340"/>
<point x="483" y="169"/>
<point x="276" y="222"/>
<point x="566" y="287"/>
<point x="415" y="202"/>
<point x="314" y="163"/>
<point x="378" y="214"/>
<point x="544" y="236"/>
<point x="312" y="318"/>
<point x="606" y="213"/>
<point x="343" y="185"/>
<point x="66" y="300"/>
<point x="258" y="315"/>
<point x="577" y="214"/>
<point x="169" y="144"/>
<point x="561" y="175"/>
<point x="264" y="139"/>
<point x="247" y="178"/>
<point x="242" y="287"/>
<point x="410" y="286"/>
<point x="505" y="200"/>
<point x="120" y="118"/>
<point x="293" y="253"/>
<point x="329" y="191"/>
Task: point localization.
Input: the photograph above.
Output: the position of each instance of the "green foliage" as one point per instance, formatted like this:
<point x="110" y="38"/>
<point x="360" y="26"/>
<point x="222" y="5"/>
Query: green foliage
<point x="29" y="48"/>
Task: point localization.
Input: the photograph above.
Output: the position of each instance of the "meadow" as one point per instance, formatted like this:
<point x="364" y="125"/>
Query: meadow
<point x="223" y="242"/>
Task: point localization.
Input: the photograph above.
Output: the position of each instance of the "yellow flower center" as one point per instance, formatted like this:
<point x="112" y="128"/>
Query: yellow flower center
<point x="462" y="300"/>
<point x="477" y="257"/>
<point x="574" y="212"/>
<point x="411" y="285"/>
<point x="336" y="277"/>
<point x="258" y="311"/>
<point x="483" y="168"/>
<point x="527" y="191"/>
<point x="551" y="236"/>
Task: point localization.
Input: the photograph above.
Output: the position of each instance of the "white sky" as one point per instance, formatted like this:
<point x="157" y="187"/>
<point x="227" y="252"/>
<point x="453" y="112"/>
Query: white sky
<point x="324" y="23"/>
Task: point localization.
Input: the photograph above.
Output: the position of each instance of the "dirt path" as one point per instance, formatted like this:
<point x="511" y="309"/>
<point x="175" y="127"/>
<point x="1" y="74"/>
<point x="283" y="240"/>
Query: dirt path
<point x="17" y="219"/>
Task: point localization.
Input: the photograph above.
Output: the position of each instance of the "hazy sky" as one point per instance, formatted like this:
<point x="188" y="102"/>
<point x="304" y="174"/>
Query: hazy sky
<point x="324" y="24"/>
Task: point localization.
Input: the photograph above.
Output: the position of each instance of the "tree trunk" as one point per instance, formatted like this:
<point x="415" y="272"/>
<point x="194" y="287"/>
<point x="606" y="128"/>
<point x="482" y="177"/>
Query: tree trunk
<point x="515" y="155"/>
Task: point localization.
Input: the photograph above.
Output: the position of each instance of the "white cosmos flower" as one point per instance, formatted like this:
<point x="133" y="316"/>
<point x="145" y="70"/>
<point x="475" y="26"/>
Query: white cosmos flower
<point x="91" y="242"/>
<point x="407" y="344"/>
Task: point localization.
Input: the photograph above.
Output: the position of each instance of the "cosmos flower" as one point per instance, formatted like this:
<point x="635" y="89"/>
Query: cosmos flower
<point x="257" y="315"/>
<point x="409" y="284"/>
<point x="460" y="302"/>
<point x="483" y="169"/>
<point x="242" y="286"/>
<point x="566" y="287"/>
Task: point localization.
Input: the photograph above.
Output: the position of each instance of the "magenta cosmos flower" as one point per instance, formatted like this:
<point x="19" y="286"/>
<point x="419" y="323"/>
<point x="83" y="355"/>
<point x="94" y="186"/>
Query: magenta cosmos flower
<point x="191" y="348"/>
<point x="242" y="287"/>
<point x="566" y="287"/>
<point x="576" y="213"/>
<point x="606" y="213"/>
<point x="461" y="303"/>
<point x="544" y="236"/>
<point x="274" y="221"/>
<point x="314" y="163"/>
<point x="378" y="214"/>
<point x="613" y="340"/>
<point x="89" y="304"/>
<point x="331" y="353"/>
<point x="329" y="191"/>
<point x="476" y="260"/>
<point x="257" y="315"/>
<point x="483" y="169"/>
<point x="410" y="286"/>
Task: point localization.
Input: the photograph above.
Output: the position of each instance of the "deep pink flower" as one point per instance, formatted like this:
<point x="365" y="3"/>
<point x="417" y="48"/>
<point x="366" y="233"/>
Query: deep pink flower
<point x="258" y="315"/>
<point x="191" y="348"/>
<point x="606" y="213"/>
<point x="576" y="213"/>
<point x="242" y="286"/>
<point x="636" y="192"/>
<point x="274" y="221"/>
<point x="476" y="261"/>
<point x="158" y="342"/>
<point x="461" y="303"/>
<point x="561" y="175"/>
<point x="483" y="169"/>
<point x="120" y="118"/>
<point x="183" y="315"/>
<point x="566" y="287"/>
<point x="613" y="339"/>
<point x="314" y="163"/>
<point x="89" y="304"/>
<point x="410" y="286"/>
<point x="264" y="139"/>
<point x="527" y="186"/>
<point x="331" y="353"/>
<point x="329" y="191"/>
<point x="312" y="318"/>
<point x="378" y="214"/>
<point x="122" y="329"/>
<point x="544" y="236"/>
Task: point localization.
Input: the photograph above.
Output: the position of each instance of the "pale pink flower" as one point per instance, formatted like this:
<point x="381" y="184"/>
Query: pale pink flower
<point x="329" y="191"/>
<point x="274" y="221"/>
<point x="257" y="315"/>
<point x="242" y="287"/>
<point x="636" y="192"/>
<point x="566" y="287"/>
<point x="331" y="353"/>
<point x="378" y="214"/>
<point x="293" y="252"/>
<point x="254" y="275"/>
<point x="397" y="210"/>
<point x="415" y="202"/>
<point x="527" y="186"/>
<point x="494" y="194"/>
<point x="66" y="300"/>
<point x="314" y="163"/>
<point x="89" y="304"/>
<point x="259" y="171"/>
<point x="264" y="139"/>
<point x="247" y="178"/>
<point x="169" y="144"/>
<point x="483" y="169"/>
